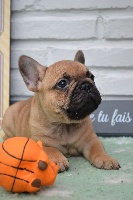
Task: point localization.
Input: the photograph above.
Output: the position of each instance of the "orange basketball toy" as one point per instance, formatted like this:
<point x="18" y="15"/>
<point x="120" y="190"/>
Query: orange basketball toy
<point x="24" y="166"/>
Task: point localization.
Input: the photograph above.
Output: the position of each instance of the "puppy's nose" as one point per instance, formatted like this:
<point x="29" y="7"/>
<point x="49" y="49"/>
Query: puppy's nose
<point x="85" y="86"/>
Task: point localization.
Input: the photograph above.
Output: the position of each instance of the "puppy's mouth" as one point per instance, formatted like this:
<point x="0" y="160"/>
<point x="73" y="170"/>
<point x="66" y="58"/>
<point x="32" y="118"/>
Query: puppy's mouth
<point x="84" y="99"/>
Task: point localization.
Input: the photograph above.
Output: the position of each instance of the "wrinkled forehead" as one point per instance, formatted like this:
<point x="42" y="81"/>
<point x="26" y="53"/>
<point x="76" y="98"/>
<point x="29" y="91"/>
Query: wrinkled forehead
<point x="70" y="68"/>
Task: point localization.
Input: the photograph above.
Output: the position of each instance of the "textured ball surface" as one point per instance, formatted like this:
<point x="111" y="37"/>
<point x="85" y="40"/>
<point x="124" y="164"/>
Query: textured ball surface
<point x="24" y="166"/>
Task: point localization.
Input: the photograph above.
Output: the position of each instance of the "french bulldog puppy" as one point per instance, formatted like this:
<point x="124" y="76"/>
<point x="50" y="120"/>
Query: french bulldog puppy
<point x="58" y="113"/>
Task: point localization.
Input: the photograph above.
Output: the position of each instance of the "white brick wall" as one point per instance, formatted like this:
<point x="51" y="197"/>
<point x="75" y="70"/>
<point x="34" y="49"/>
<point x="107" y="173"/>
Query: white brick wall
<point x="51" y="30"/>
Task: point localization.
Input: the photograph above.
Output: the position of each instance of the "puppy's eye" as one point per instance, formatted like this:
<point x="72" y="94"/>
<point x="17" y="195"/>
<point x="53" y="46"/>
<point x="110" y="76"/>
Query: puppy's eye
<point x="92" y="77"/>
<point x="62" y="84"/>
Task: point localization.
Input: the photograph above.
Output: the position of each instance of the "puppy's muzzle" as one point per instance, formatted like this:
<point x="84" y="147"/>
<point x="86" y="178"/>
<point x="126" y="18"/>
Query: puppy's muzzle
<point x="84" y="99"/>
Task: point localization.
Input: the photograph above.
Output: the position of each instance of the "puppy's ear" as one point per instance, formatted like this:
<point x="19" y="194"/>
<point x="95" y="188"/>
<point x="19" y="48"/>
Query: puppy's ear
<point x="79" y="57"/>
<point x="32" y="72"/>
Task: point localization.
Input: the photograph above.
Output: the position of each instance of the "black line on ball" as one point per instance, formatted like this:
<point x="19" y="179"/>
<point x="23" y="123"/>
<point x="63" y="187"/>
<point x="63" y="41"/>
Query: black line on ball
<point x="16" y="167"/>
<point x="14" y="177"/>
<point x="21" y="159"/>
<point x="14" y="156"/>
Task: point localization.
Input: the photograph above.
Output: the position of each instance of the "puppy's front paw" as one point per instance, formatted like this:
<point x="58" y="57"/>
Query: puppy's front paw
<point x="63" y="164"/>
<point x="105" y="162"/>
<point x="58" y="158"/>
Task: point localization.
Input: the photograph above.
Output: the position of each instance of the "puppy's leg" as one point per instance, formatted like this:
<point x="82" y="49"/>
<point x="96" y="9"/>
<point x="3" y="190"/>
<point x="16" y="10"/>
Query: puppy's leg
<point x="95" y="153"/>
<point x="57" y="157"/>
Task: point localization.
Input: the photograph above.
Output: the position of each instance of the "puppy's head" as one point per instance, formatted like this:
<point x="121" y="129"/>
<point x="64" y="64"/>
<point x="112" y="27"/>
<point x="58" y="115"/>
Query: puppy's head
<point x="65" y="90"/>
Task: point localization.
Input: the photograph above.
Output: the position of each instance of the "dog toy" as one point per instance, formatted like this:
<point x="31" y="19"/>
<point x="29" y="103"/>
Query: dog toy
<point x="24" y="166"/>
